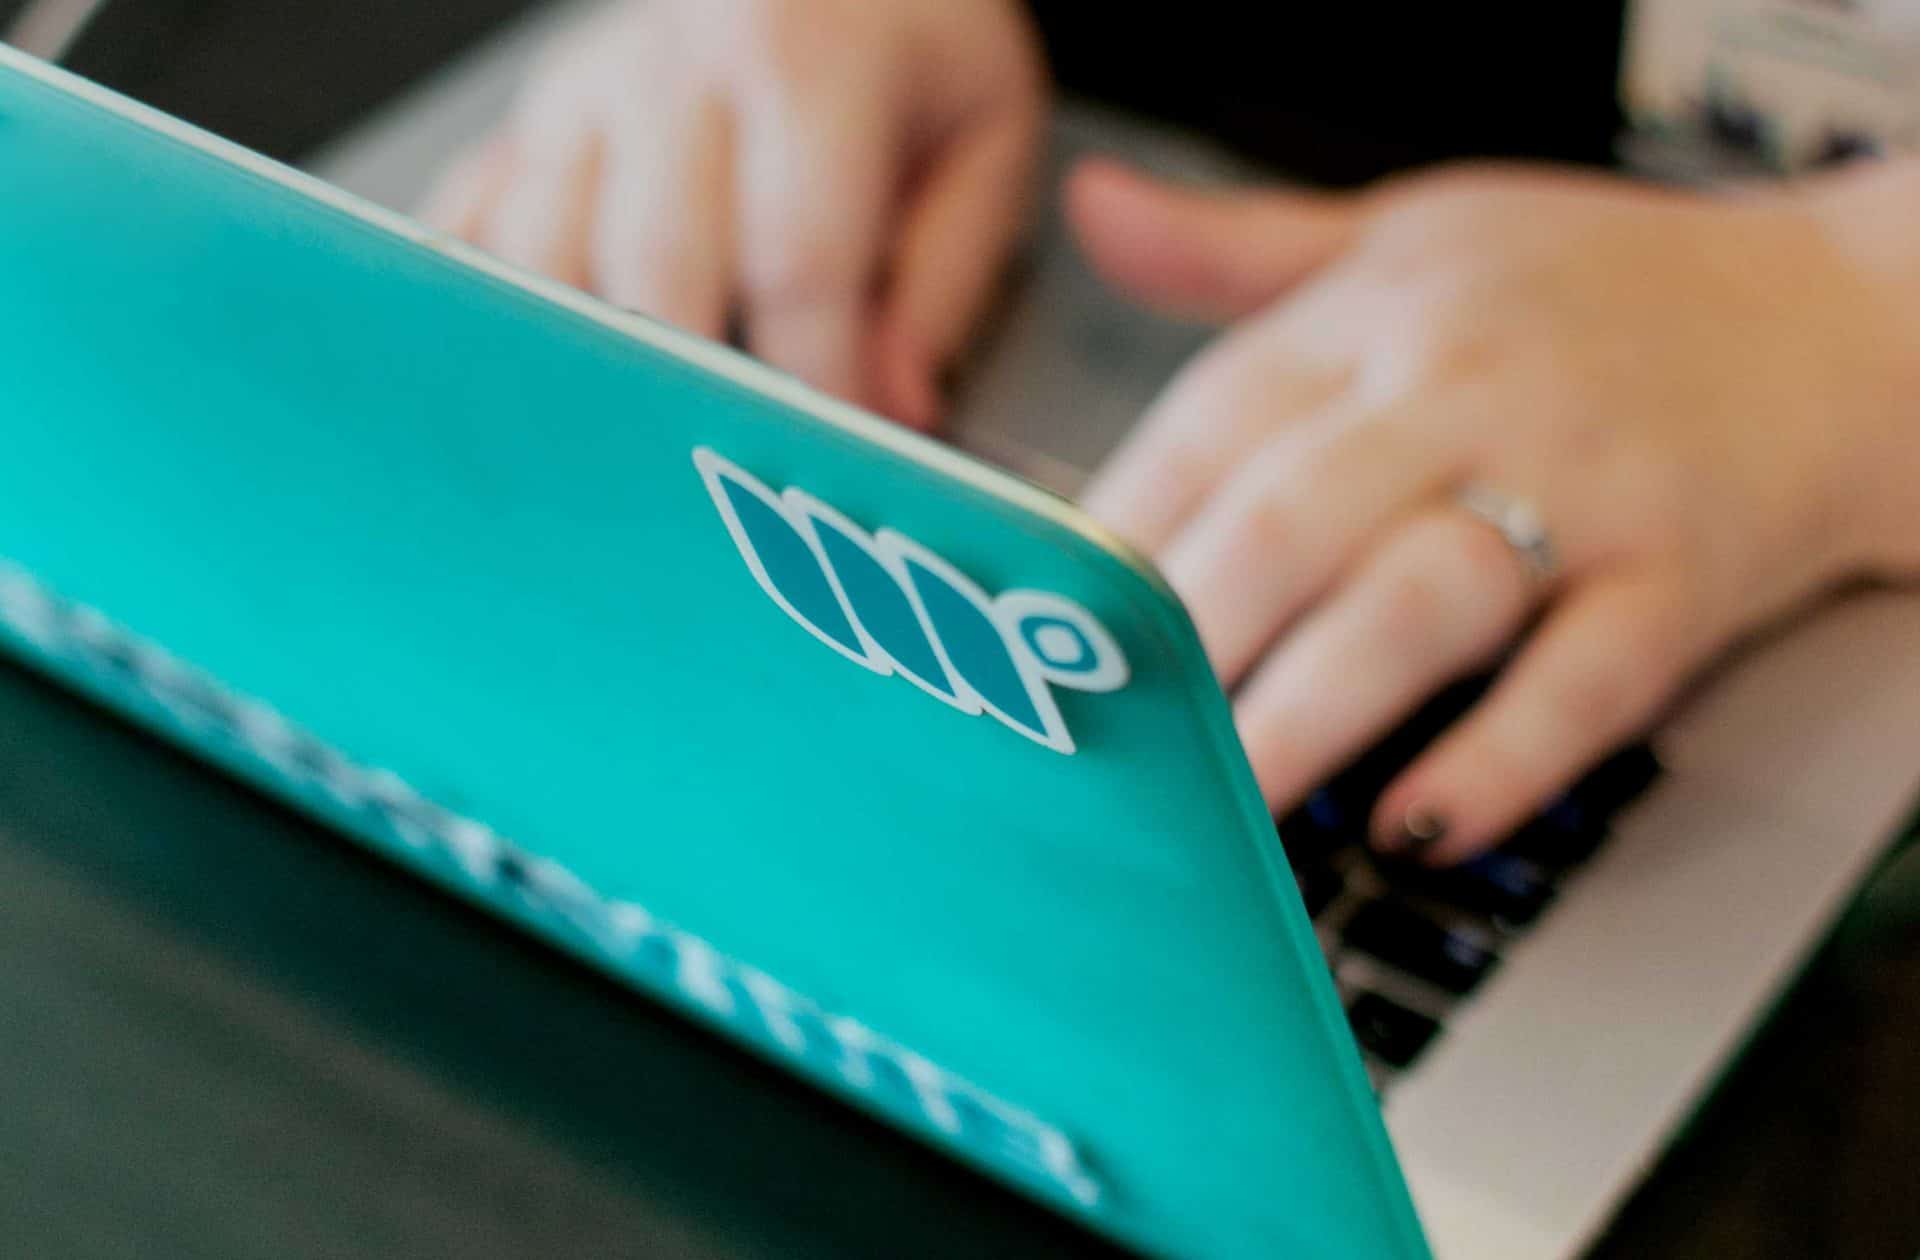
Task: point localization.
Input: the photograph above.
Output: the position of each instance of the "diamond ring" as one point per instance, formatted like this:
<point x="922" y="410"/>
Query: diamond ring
<point x="1520" y="523"/>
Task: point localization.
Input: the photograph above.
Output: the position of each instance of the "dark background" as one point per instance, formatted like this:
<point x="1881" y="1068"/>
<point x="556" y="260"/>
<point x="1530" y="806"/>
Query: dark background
<point x="279" y="76"/>
<point x="1338" y="92"/>
<point x="224" y="1032"/>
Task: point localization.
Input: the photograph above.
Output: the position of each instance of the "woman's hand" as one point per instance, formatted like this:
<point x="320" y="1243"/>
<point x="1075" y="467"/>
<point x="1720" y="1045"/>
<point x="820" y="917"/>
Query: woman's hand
<point x="838" y="179"/>
<point x="1713" y="406"/>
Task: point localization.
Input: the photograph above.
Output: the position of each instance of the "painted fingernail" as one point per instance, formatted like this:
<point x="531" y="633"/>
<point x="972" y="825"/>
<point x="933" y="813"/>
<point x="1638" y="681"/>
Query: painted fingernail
<point x="1420" y="829"/>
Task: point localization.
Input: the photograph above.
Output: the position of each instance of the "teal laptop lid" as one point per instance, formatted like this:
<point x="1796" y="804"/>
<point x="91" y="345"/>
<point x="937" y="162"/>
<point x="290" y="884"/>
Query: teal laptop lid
<point x="875" y="759"/>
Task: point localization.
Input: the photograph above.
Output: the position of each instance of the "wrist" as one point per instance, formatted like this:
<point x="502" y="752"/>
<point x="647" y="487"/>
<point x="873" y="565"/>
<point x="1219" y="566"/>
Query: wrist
<point x="1868" y="215"/>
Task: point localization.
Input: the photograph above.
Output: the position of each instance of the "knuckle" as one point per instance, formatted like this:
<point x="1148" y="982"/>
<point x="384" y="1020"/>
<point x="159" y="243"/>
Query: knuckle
<point x="562" y="57"/>
<point x="1664" y="491"/>
<point x="1282" y="482"/>
<point x="1187" y="468"/>
<point x="789" y="43"/>
<point x="1588" y="698"/>
<point x="1483" y="560"/>
<point x="1427" y="337"/>
<point x="1448" y="229"/>
<point x="577" y="70"/>
<point x="1271" y="522"/>
<point x="1602" y="693"/>
<point x="1651" y="499"/>
<point x="1420" y="216"/>
<point x="803" y="270"/>
<point x="1221" y="382"/>
<point x="1200" y="419"/>
<point x="1459" y="350"/>
<point x="768" y="23"/>
<point x="1356" y="448"/>
<point x="1411" y="604"/>
<point x="1454" y="188"/>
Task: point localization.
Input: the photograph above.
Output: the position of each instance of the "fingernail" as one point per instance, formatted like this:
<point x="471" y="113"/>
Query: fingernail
<point x="1420" y="829"/>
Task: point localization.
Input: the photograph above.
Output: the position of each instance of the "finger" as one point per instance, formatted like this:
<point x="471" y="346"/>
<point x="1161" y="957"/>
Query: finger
<point x="816" y="174"/>
<point x="463" y="198"/>
<point x="1214" y="255"/>
<point x="1595" y="675"/>
<point x="1219" y="409"/>
<point x="955" y="233"/>
<point x="1297" y="514"/>
<point x="543" y="220"/>
<point x="1434" y="602"/>
<point x="662" y="238"/>
<point x="1285" y="524"/>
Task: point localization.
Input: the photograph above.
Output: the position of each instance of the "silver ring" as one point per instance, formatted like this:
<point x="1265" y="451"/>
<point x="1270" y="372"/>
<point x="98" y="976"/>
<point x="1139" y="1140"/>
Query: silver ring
<point x="1519" y="523"/>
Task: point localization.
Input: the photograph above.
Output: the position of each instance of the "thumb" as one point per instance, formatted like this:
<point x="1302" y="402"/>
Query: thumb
<point x="1214" y="255"/>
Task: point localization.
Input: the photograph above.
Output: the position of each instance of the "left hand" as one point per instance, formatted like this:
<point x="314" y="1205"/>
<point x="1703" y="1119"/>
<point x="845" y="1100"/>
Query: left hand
<point x="1692" y="393"/>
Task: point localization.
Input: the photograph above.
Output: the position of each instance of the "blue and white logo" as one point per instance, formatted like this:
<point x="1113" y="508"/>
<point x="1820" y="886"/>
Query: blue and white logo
<point x="889" y="605"/>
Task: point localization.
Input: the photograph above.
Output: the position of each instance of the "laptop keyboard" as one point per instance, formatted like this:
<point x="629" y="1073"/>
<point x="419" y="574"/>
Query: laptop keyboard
<point x="1409" y="943"/>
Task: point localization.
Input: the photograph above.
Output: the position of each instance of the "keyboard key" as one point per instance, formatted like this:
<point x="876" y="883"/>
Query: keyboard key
<point x="1497" y="885"/>
<point x="1550" y="844"/>
<point x="1389" y="1031"/>
<point x="1618" y="781"/>
<point x="1319" y="829"/>
<point x="1401" y="937"/>
<point x="1569" y="830"/>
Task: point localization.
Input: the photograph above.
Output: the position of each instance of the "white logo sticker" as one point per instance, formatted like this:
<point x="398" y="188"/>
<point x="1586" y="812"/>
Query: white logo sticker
<point x="890" y="605"/>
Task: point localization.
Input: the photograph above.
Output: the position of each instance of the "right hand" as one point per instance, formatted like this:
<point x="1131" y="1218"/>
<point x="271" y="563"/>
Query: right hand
<point x="837" y="179"/>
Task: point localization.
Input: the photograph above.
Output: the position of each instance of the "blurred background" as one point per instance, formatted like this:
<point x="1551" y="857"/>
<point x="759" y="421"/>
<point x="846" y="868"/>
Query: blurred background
<point x="278" y="76"/>
<point x="227" y="1033"/>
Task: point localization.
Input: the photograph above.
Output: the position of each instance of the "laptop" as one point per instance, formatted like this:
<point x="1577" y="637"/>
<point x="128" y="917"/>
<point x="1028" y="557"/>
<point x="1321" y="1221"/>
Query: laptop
<point x="869" y="755"/>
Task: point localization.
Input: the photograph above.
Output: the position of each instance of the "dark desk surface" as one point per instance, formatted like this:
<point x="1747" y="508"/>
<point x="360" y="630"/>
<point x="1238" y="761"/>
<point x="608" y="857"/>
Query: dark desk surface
<point x="225" y="1033"/>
